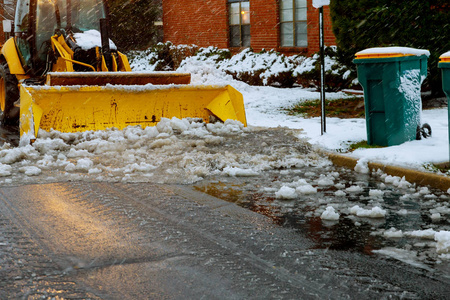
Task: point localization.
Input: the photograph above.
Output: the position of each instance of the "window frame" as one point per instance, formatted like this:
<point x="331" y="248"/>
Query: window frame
<point x="241" y="25"/>
<point x="293" y="24"/>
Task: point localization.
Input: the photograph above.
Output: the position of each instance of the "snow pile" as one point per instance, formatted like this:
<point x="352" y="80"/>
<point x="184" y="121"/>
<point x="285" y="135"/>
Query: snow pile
<point x="174" y="151"/>
<point x="268" y="68"/>
<point x="265" y="65"/>
<point x="91" y="39"/>
<point x="5" y="170"/>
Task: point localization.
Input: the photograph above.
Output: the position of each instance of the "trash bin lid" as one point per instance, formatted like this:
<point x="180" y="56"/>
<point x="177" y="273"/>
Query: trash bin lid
<point x="445" y="57"/>
<point x="386" y="52"/>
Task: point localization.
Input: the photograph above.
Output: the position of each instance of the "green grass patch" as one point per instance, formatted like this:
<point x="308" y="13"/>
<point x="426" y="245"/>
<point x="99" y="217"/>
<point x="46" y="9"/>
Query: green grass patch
<point x="352" y="107"/>
<point x="362" y="144"/>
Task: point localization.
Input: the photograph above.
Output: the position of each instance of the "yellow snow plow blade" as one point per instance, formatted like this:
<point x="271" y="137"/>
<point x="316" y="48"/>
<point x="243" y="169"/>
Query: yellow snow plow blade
<point x="75" y="108"/>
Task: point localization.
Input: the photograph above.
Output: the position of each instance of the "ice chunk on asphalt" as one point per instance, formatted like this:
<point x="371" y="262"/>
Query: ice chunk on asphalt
<point x="239" y="172"/>
<point x="375" y="212"/>
<point x="428" y="234"/>
<point x="330" y="214"/>
<point x="362" y="166"/>
<point x="354" y="189"/>
<point x="376" y="193"/>
<point x="325" y="180"/>
<point x="393" y="233"/>
<point x="436" y="216"/>
<point x="286" y="192"/>
<point x="443" y="242"/>
<point x="306" y="189"/>
<point x="340" y="193"/>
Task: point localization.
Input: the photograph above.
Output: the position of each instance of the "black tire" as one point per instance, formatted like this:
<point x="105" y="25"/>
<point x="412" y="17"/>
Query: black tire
<point x="426" y="130"/>
<point x="9" y="93"/>
<point x="423" y="131"/>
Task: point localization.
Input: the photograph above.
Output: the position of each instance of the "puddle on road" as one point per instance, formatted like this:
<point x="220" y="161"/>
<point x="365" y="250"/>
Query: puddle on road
<point x="408" y="208"/>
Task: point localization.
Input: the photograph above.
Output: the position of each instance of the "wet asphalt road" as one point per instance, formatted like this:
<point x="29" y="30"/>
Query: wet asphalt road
<point x="92" y="240"/>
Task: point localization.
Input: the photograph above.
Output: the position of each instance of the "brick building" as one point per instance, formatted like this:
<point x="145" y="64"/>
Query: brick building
<point x="288" y="26"/>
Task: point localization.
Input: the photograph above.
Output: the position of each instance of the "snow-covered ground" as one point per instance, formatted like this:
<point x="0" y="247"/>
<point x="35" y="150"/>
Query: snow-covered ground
<point x="265" y="107"/>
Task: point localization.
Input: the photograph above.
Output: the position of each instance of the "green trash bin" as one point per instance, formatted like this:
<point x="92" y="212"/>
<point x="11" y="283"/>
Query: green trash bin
<point x="444" y="65"/>
<point x="391" y="78"/>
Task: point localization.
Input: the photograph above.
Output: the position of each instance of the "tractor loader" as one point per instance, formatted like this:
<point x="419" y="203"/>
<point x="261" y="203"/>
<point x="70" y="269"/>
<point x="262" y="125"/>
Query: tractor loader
<point x="61" y="71"/>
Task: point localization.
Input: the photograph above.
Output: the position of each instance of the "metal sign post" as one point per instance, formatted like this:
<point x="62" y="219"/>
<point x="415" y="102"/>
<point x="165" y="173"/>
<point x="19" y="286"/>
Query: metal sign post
<point x="322" y="73"/>
<point x="319" y="4"/>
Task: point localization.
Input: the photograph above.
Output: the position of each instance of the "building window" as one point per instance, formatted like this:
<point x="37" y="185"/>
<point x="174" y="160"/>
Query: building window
<point x="293" y="23"/>
<point x="239" y="23"/>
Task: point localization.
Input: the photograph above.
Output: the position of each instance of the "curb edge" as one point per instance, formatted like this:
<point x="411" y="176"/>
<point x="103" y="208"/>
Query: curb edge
<point x="413" y="176"/>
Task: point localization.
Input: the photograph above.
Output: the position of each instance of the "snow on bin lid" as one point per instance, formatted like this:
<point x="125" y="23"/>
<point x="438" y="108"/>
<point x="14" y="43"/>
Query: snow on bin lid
<point x="320" y="3"/>
<point x="383" y="52"/>
<point x="445" y="57"/>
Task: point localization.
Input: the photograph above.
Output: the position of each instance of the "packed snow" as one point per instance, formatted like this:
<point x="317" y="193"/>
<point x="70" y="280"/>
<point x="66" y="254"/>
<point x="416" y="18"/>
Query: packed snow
<point x="90" y="39"/>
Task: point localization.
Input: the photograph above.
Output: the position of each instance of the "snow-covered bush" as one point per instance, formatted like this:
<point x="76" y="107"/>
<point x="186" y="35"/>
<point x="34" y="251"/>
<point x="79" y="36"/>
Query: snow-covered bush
<point x="268" y="68"/>
<point x="161" y="57"/>
<point x="337" y="76"/>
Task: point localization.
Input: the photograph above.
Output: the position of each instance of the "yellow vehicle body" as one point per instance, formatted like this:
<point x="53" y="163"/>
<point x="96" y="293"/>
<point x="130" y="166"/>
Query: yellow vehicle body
<point x="61" y="71"/>
<point x="80" y="101"/>
<point x="82" y="108"/>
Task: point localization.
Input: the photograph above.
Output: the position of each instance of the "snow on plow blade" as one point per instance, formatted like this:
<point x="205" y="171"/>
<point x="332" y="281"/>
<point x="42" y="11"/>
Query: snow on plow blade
<point x="122" y="78"/>
<point x="75" y="108"/>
